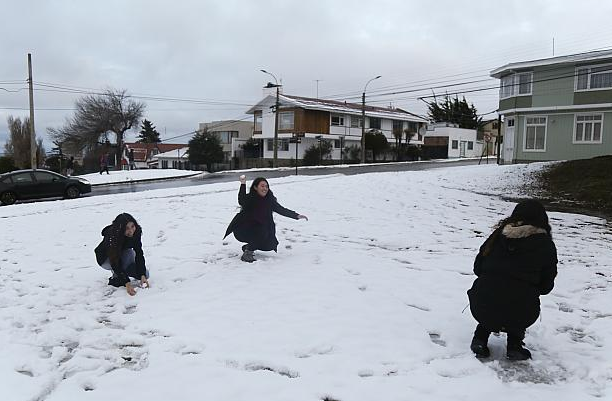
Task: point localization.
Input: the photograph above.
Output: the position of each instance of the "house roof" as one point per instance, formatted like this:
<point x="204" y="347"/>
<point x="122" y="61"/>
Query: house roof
<point x="569" y="59"/>
<point x="335" y="106"/>
<point x="142" y="151"/>
<point x="173" y="154"/>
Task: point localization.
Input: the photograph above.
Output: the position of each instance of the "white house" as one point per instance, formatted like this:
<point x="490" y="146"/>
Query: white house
<point x="446" y="140"/>
<point x="310" y="120"/>
<point x="177" y="159"/>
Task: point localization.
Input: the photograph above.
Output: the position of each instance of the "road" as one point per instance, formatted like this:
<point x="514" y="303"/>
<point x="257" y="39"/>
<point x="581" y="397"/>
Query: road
<point x="228" y="176"/>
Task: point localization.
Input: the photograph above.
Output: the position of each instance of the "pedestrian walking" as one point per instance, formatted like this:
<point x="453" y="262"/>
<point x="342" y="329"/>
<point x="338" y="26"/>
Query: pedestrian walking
<point x="104" y="163"/>
<point x="254" y="224"/>
<point x="515" y="265"/>
<point x="70" y="166"/>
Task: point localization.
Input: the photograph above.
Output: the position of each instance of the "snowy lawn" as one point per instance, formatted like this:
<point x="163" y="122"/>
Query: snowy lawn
<point x="123" y="176"/>
<point x="362" y="302"/>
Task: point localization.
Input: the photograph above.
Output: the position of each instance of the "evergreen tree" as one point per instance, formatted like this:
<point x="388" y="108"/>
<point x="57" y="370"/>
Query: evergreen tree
<point x="455" y="111"/>
<point x="376" y="141"/>
<point x="205" y="149"/>
<point x="148" y="133"/>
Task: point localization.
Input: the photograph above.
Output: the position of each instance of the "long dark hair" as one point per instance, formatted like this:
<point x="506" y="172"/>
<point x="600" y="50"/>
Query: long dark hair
<point x="527" y="212"/>
<point x="255" y="183"/>
<point x="117" y="235"/>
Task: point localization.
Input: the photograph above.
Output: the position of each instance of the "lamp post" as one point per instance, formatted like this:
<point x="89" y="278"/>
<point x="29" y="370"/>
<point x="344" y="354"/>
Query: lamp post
<point x="275" y="144"/>
<point x="363" y="149"/>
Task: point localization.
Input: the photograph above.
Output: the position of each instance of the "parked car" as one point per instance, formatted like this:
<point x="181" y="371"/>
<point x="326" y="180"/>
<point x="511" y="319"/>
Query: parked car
<point x="37" y="184"/>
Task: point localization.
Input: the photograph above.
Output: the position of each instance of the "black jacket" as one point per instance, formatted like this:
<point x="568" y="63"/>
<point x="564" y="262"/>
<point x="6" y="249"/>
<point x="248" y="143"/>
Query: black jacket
<point x="521" y="266"/>
<point x="258" y="211"/>
<point x="102" y="252"/>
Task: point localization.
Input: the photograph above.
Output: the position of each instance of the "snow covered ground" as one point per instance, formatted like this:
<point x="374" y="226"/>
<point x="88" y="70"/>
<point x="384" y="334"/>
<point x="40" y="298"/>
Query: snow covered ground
<point x="362" y="302"/>
<point x="123" y="176"/>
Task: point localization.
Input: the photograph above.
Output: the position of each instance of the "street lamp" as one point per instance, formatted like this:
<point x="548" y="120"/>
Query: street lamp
<point x="363" y="149"/>
<point x="275" y="145"/>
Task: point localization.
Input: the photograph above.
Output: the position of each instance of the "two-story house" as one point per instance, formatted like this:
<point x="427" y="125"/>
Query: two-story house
<point x="312" y="120"/>
<point x="231" y="133"/>
<point x="557" y="108"/>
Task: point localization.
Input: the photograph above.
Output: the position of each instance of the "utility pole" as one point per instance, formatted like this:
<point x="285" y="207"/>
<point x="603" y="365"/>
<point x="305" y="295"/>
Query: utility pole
<point x="33" y="152"/>
<point x="363" y="96"/>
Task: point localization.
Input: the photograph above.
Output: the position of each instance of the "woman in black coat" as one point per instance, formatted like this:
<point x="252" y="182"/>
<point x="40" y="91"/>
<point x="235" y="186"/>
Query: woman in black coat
<point x="515" y="265"/>
<point x="121" y="252"/>
<point x="254" y="224"/>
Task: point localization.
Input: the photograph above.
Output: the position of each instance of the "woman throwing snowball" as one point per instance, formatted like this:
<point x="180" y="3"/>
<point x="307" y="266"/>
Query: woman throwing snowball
<point x="254" y="224"/>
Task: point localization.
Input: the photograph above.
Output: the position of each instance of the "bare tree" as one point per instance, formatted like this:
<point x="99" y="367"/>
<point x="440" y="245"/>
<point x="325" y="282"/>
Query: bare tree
<point x="18" y="144"/>
<point x="96" y="115"/>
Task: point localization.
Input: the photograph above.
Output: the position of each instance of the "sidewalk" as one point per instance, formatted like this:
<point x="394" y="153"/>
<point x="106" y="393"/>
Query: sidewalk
<point x="131" y="176"/>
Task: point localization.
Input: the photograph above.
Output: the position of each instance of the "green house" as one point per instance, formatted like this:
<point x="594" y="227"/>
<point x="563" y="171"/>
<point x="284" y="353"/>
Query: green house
<point x="557" y="108"/>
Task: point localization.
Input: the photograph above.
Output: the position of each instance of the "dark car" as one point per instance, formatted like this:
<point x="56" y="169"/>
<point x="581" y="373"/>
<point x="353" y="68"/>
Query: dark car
<point x="36" y="184"/>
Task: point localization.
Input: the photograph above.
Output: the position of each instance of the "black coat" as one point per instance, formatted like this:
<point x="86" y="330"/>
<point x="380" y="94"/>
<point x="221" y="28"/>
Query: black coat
<point x="256" y="217"/>
<point x="134" y="242"/>
<point x="521" y="266"/>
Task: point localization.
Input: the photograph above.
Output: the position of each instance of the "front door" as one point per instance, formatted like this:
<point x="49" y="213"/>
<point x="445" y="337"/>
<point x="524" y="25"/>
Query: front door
<point x="462" y="145"/>
<point x="509" y="141"/>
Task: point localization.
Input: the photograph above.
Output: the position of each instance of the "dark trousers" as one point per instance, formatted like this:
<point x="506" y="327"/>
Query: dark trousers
<point x="515" y="335"/>
<point x="256" y="237"/>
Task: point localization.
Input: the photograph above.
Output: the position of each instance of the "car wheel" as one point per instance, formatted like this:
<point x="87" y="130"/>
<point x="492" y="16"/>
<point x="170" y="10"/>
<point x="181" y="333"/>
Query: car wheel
<point x="8" y="198"/>
<point x="72" y="192"/>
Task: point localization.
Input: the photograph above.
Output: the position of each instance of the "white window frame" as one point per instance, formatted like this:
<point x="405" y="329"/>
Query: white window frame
<point x="589" y="67"/>
<point x="545" y="125"/>
<point x="517" y="82"/>
<point x="286" y="114"/>
<point x="359" y="120"/>
<point x="340" y="120"/>
<point x="515" y="85"/>
<point x="591" y="142"/>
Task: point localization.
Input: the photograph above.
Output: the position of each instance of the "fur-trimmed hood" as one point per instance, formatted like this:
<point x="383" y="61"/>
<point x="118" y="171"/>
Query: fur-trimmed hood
<point x="521" y="231"/>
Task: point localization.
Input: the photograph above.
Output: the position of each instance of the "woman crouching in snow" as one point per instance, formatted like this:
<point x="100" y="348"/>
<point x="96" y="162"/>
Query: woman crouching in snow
<point x="121" y="252"/>
<point x="515" y="265"/>
<point x="254" y="224"/>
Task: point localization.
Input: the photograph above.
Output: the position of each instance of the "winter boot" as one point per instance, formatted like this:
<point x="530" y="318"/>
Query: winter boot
<point x="479" y="348"/>
<point x="247" y="255"/>
<point x="516" y="352"/>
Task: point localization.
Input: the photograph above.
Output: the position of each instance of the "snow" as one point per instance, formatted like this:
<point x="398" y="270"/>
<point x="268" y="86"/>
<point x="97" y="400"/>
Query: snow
<point x="362" y="302"/>
<point x="124" y="176"/>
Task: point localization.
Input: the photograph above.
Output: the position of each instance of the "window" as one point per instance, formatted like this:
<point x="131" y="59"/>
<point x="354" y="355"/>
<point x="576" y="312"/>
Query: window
<point x="398" y="127"/>
<point x="6" y="180"/>
<point x="44" y="177"/>
<point x="494" y="125"/>
<point x="283" y="144"/>
<point x="356" y="122"/>
<point x="337" y="143"/>
<point x="22" y="178"/>
<point x="516" y="85"/>
<point x="285" y="120"/>
<point x="588" y="128"/>
<point x="470" y="145"/>
<point x="337" y="121"/>
<point x="455" y="144"/>
<point x="257" y="122"/>
<point x="226" y="136"/>
<point x="164" y="164"/>
<point x="374" y="123"/>
<point x="535" y="133"/>
<point x="524" y="83"/>
<point x="506" y="88"/>
<point x="594" y="78"/>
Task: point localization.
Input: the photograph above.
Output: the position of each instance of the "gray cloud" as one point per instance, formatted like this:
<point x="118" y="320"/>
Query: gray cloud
<point x="214" y="49"/>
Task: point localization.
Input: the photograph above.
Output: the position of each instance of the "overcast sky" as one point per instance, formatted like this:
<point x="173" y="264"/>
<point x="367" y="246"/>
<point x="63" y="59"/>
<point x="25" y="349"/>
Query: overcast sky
<point x="212" y="51"/>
